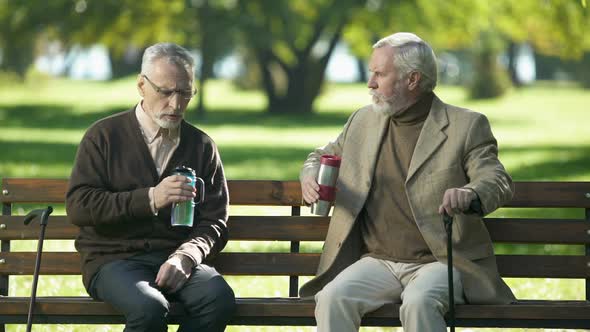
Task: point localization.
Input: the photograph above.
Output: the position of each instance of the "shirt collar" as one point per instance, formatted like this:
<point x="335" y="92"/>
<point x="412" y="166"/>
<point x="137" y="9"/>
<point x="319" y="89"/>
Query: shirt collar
<point x="150" y="129"/>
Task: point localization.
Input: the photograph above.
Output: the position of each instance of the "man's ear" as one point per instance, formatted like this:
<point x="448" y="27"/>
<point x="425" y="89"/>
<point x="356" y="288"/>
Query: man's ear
<point x="413" y="80"/>
<point x="140" y="85"/>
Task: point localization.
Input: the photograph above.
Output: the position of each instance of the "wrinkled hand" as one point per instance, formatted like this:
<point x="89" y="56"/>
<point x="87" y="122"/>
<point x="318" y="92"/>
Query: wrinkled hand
<point x="310" y="189"/>
<point x="173" y="189"/>
<point x="174" y="273"/>
<point x="456" y="200"/>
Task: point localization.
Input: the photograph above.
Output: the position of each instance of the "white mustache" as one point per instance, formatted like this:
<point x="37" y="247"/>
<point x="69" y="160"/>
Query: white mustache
<point x="169" y="114"/>
<point x="378" y="97"/>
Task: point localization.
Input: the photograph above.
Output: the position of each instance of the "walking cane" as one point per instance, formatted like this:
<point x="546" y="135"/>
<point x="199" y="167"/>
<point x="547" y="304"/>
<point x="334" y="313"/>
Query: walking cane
<point x="448" y="221"/>
<point x="474" y="207"/>
<point x="44" y="213"/>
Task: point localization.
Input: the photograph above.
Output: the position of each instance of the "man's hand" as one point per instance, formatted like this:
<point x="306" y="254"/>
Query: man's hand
<point x="310" y="189"/>
<point x="174" y="188"/>
<point x="174" y="273"/>
<point x="456" y="200"/>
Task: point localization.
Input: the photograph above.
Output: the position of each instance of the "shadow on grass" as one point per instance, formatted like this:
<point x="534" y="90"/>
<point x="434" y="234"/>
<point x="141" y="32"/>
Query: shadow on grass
<point x="38" y="153"/>
<point x="220" y="117"/>
<point x="65" y="117"/>
<point x="261" y="163"/>
<point x="265" y="163"/>
<point x="50" y="116"/>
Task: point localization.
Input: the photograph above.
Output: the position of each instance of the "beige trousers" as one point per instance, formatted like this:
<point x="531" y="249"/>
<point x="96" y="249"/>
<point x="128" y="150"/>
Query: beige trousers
<point x="370" y="283"/>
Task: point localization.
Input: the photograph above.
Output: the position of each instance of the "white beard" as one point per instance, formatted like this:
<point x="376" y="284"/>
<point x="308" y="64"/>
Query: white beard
<point x="390" y="106"/>
<point x="399" y="101"/>
<point x="165" y="123"/>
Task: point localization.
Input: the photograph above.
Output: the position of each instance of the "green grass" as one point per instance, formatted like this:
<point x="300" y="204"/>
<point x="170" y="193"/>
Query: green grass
<point x="542" y="133"/>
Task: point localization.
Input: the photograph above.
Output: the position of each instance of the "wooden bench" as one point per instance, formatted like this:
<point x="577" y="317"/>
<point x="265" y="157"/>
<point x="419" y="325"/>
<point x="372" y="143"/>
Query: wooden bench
<point x="291" y="310"/>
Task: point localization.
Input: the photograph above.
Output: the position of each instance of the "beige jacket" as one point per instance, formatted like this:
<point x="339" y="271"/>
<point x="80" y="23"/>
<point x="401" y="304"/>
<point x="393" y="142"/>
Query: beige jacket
<point x="456" y="148"/>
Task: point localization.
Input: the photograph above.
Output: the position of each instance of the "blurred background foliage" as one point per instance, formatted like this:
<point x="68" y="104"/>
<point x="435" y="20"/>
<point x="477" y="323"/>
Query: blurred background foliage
<point x="285" y="46"/>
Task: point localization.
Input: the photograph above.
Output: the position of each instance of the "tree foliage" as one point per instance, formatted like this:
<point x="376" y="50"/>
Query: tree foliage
<point x="288" y="42"/>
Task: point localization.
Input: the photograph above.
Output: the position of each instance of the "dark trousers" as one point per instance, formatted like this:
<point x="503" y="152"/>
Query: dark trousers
<point x="128" y="285"/>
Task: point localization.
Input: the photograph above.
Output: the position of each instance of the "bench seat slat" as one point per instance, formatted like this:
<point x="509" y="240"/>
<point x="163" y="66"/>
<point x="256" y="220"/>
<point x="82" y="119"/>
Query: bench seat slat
<point x="67" y="263"/>
<point x="311" y="228"/>
<point x="295" y="307"/>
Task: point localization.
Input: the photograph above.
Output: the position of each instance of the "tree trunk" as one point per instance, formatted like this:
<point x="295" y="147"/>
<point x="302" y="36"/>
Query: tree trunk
<point x="126" y="64"/>
<point x="490" y="79"/>
<point x="362" y="70"/>
<point x="17" y="57"/>
<point x="205" y="57"/>
<point x="304" y="80"/>
<point x="512" y="56"/>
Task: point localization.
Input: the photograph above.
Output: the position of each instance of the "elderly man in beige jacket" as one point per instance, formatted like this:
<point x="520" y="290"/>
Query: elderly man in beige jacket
<point x="405" y="159"/>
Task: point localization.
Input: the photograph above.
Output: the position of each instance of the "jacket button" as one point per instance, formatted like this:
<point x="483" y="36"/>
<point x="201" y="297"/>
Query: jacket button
<point x="147" y="246"/>
<point x="339" y="244"/>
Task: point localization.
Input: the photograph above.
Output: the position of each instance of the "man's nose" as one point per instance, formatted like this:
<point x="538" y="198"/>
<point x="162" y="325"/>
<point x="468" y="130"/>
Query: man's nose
<point x="371" y="83"/>
<point x="175" y="101"/>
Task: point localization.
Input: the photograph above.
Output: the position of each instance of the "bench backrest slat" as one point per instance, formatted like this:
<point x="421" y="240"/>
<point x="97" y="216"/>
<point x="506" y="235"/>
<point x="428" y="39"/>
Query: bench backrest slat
<point x="551" y="194"/>
<point x="301" y="264"/>
<point x="255" y="228"/>
<point x="311" y="228"/>
<point x="242" y="192"/>
<point x="288" y="193"/>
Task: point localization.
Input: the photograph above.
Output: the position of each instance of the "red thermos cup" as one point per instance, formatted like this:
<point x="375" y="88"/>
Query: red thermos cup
<point x="327" y="176"/>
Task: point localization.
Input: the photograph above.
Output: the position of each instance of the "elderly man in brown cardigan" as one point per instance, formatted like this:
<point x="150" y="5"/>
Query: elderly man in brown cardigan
<point x="405" y="159"/>
<point x="120" y="195"/>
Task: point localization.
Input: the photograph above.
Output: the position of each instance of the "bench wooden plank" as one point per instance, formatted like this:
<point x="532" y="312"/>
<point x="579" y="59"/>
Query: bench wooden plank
<point x="296" y="307"/>
<point x="526" y="230"/>
<point x="258" y="228"/>
<point x="310" y="228"/>
<point x="301" y="264"/>
<point x="26" y="190"/>
<point x="242" y="192"/>
<point x="263" y="192"/>
<point x="551" y="194"/>
<point x="269" y="264"/>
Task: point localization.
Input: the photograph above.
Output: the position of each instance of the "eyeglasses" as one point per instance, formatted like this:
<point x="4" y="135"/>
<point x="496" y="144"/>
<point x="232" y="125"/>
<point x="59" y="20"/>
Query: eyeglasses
<point x="167" y="93"/>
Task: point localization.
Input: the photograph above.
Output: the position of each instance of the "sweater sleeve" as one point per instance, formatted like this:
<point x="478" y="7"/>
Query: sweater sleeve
<point x="210" y="234"/>
<point x="89" y="202"/>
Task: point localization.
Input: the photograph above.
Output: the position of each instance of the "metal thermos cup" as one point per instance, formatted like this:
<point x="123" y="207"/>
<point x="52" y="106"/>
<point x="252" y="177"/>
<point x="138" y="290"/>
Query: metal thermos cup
<point x="183" y="213"/>
<point x="327" y="176"/>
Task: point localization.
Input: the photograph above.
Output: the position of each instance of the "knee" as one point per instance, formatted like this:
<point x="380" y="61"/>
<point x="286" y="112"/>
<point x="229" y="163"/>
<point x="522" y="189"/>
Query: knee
<point x="332" y="295"/>
<point x="217" y="300"/>
<point x="223" y="298"/>
<point x="150" y="315"/>
<point x="422" y="303"/>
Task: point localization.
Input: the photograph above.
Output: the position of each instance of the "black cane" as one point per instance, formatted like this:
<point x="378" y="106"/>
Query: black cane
<point x="448" y="220"/>
<point x="44" y="213"/>
<point x="474" y="207"/>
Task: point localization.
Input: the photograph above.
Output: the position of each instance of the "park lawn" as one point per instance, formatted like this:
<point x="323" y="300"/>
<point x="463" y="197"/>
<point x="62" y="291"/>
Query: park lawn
<point x="541" y="132"/>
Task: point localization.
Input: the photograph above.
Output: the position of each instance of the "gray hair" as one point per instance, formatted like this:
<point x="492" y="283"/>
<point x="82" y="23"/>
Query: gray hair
<point x="173" y="53"/>
<point x="412" y="54"/>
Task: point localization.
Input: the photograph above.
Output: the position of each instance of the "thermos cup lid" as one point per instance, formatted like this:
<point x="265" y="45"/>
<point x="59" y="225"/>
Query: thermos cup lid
<point x="184" y="169"/>
<point x="330" y="160"/>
